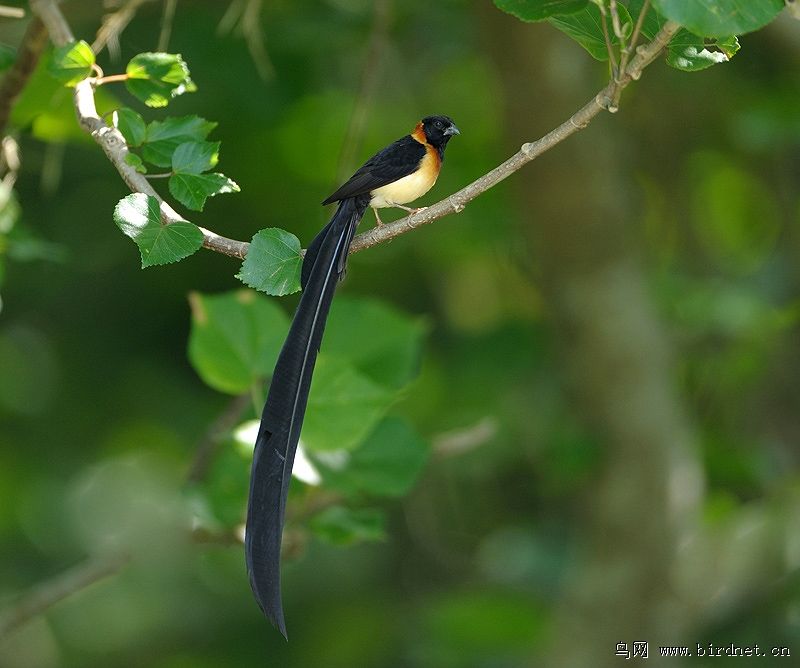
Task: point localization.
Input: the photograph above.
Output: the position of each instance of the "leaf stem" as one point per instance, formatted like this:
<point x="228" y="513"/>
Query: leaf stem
<point x="629" y="47"/>
<point x="612" y="60"/>
<point x="111" y="78"/>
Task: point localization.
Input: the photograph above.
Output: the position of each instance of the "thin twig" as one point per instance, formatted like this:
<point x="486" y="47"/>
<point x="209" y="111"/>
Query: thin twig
<point x="111" y="78"/>
<point x="113" y="143"/>
<point x="245" y="17"/>
<point x="113" y="25"/>
<point x="459" y="441"/>
<point x="11" y="12"/>
<point x="457" y="201"/>
<point x="612" y="6"/>
<point x="167" y="19"/>
<point x="46" y="594"/>
<point x="626" y="52"/>
<point x="612" y="61"/>
<point x="637" y="30"/>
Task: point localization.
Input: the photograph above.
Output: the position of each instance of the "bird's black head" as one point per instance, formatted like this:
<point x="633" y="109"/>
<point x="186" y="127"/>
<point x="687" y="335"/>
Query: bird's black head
<point x="438" y="130"/>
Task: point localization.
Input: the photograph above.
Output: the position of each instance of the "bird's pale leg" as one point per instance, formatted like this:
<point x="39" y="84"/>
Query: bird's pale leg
<point x="409" y="208"/>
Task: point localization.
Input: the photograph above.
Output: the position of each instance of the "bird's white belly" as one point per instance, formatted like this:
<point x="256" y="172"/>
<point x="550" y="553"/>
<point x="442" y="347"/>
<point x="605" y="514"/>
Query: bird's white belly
<point x="403" y="190"/>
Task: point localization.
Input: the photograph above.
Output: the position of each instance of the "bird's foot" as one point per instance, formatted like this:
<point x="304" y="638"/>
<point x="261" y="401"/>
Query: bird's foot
<point x="411" y="210"/>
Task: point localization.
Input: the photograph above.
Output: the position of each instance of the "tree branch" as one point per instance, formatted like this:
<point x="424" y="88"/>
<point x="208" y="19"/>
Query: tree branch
<point x="113" y="143"/>
<point x="113" y="25"/>
<point x="456" y="202"/>
<point x="111" y="140"/>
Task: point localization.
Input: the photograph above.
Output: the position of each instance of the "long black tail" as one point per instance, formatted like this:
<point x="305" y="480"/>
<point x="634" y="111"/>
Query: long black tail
<point x="282" y="418"/>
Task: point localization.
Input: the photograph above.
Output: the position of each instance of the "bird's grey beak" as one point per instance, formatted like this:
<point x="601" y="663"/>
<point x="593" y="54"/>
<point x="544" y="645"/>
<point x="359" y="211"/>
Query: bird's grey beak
<point x="452" y="130"/>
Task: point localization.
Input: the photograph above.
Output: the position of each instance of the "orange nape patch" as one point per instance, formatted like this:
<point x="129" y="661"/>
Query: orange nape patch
<point x="419" y="134"/>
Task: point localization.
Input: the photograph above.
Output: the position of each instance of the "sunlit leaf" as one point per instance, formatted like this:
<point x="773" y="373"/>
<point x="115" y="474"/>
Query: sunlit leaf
<point x="163" y="137"/>
<point x="691" y="53"/>
<point x="157" y="78"/>
<point x="686" y="51"/>
<point x="72" y="63"/>
<point x="139" y="217"/>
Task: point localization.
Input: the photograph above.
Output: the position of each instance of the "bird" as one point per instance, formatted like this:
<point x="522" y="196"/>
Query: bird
<point x="396" y="175"/>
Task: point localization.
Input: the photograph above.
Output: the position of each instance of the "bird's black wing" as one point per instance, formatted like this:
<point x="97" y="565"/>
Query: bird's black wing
<point x="387" y="166"/>
<point x="285" y="407"/>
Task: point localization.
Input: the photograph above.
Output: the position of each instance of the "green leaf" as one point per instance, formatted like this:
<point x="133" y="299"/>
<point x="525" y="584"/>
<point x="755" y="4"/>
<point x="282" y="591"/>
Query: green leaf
<point x="388" y="463"/>
<point x="156" y="78"/>
<point x="686" y="51"/>
<point x="195" y="157"/>
<point x="188" y="184"/>
<point x="163" y="137"/>
<point x="139" y="217"/>
<point x="653" y="21"/>
<point x="72" y="63"/>
<point x="192" y="190"/>
<point x="539" y="10"/>
<point x="131" y="125"/>
<point x="586" y="28"/>
<point x="135" y="161"/>
<point x="345" y="526"/>
<point x="235" y="338"/>
<point x="691" y="53"/>
<point x="390" y="342"/>
<point x="344" y="406"/>
<point x="273" y="262"/>
<point x="720" y="18"/>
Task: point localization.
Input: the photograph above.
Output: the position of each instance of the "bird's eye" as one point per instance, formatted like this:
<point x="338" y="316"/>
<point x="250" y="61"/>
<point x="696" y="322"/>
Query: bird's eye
<point x="439" y="124"/>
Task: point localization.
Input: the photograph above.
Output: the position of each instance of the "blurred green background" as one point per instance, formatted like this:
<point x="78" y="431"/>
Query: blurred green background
<point x="609" y="383"/>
